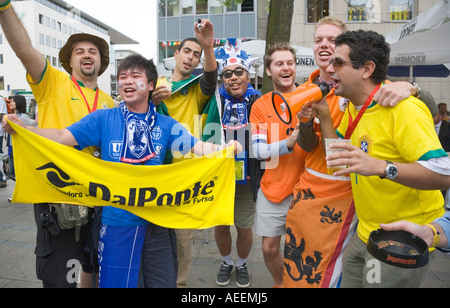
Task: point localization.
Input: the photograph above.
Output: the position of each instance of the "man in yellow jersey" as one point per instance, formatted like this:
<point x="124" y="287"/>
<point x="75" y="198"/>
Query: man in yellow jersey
<point x="62" y="100"/>
<point x="325" y="221"/>
<point x="185" y="104"/>
<point x="395" y="161"/>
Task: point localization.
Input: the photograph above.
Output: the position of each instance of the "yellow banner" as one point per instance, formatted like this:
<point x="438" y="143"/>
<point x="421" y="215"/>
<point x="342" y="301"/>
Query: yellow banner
<point x="194" y="194"/>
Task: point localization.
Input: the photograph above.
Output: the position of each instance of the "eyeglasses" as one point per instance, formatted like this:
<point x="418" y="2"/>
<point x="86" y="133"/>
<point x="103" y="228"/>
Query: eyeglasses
<point x="338" y="63"/>
<point x="237" y="71"/>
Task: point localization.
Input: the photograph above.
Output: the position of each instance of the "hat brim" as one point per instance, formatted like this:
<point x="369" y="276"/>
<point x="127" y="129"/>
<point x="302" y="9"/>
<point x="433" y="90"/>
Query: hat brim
<point x="66" y="51"/>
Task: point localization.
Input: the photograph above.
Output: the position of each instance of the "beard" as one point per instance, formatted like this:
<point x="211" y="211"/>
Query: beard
<point x="88" y="72"/>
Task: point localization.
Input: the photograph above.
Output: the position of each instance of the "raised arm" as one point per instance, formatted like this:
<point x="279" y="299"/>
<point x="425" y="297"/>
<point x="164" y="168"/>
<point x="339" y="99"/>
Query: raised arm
<point x="20" y="42"/>
<point x="205" y="36"/>
<point x="392" y="93"/>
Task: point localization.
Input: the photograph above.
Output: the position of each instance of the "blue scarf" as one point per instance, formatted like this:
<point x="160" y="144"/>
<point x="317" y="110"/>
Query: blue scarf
<point x="235" y="115"/>
<point x="137" y="146"/>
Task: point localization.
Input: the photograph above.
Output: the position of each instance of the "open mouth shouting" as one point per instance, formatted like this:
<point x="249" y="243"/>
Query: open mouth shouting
<point x="87" y="63"/>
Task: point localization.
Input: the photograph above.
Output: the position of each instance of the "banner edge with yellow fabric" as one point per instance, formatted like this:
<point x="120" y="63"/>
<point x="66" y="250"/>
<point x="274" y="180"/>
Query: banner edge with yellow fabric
<point x="193" y="194"/>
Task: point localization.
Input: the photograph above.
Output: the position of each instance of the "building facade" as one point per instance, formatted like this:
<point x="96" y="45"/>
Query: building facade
<point x="249" y="21"/>
<point x="176" y="19"/>
<point x="381" y="16"/>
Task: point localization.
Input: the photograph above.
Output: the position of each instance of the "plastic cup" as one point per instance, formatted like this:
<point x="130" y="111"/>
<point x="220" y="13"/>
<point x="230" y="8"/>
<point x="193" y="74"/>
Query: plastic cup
<point x="165" y="81"/>
<point x="328" y="151"/>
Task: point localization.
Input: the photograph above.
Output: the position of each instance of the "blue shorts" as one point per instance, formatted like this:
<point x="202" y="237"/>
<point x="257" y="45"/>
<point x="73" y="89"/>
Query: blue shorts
<point x="119" y="256"/>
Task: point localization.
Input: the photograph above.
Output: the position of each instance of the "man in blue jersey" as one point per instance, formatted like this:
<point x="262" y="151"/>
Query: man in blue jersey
<point x="132" y="251"/>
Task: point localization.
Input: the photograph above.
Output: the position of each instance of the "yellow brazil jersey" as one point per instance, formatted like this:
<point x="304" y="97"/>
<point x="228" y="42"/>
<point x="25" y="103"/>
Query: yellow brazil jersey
<point x="60" y="103"/>
<point x="402" y="134"/>
<point x="186" y="106"/>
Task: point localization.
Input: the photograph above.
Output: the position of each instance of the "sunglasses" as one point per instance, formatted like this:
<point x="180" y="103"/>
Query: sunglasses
<point x="238" y="72"/>
<point x="338" y="63"/>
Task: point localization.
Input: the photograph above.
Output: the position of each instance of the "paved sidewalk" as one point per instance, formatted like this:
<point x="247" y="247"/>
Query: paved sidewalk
<point x="17" y="260"/>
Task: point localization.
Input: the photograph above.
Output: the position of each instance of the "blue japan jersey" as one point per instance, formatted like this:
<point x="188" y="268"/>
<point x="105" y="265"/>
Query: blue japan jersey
<point x="105" y="129"/>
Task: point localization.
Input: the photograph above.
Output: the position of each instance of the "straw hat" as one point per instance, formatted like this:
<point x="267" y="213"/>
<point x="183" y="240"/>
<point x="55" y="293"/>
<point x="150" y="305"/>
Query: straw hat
<point x="66" y="51"/>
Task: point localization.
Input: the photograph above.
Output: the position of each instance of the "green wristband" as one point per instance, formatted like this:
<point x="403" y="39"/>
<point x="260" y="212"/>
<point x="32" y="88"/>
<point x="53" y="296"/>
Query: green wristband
<point x="5" y="5"/>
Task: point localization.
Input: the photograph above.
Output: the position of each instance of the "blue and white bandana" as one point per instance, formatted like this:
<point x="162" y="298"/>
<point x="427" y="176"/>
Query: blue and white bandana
<point x="232" y="54"/>
<point x="137" y="146"/>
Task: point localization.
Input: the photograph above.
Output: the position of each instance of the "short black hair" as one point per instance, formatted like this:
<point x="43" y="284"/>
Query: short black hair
<point x="139" y="62"/>
<point x="367" y="46"/>
<point x="189" y="39"/>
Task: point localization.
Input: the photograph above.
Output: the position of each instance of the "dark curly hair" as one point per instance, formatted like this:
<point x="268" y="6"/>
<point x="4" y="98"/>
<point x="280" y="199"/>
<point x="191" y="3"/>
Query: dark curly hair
<point x="367" y="46"/>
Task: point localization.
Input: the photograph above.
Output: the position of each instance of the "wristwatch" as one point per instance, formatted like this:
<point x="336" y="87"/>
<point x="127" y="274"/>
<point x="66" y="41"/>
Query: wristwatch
<point x="390" y="172"/>
<point x="418" y="90"/>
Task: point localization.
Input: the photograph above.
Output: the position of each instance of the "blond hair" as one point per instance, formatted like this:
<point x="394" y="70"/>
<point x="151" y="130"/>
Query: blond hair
<point x="330" y="20"/>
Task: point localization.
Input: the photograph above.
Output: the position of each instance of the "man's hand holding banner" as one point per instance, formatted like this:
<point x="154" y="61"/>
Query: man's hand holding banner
<point x="194" y="194"/>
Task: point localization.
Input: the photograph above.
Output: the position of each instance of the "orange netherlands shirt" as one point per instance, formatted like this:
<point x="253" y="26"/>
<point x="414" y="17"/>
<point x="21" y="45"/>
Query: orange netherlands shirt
<point x="315" y="160"/>
<point x="283" y="172"/>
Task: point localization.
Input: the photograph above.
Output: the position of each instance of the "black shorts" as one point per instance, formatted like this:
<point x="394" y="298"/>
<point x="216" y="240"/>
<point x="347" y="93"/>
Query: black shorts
<point x="89" y="262"/>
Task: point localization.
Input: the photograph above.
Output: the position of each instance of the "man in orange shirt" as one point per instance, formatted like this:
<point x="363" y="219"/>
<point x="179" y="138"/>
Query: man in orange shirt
<point x="275" y="143"/>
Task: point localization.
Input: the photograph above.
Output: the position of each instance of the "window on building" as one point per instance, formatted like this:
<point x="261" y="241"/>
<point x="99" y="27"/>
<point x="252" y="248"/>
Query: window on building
<point x="1" y="39"/>
<point x="215" y="7"/>
<point x="401" y="9"/>
<point x="317" y="9"/>
<point x="357" y="10"/>
<point x="232" y="8"/>
<point x="1" y="58"/>
<point x="2" y="83"/>
<point x="201" y="7"/>
<point x="173" y="7"/>
<point x="187" y="7"/>
<point x="41" y="19"/>
<point x="162" y="8"/>
<point x="247" y="6"/>
<point x="41" y="39"/>
<point x="364" y="10"/>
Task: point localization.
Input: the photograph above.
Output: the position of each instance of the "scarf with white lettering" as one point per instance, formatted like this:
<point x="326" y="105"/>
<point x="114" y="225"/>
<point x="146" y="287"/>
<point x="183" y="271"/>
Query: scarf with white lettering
<point x="235" y="115"/>
<point x="137" y="146"/>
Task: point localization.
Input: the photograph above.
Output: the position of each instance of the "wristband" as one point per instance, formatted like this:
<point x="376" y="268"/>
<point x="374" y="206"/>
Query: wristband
<point x="437" y="237"/>
<point x="5" y="6"/>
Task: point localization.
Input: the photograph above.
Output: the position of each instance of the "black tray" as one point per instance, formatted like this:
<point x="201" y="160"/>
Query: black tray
<point x="398" y="248"/>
